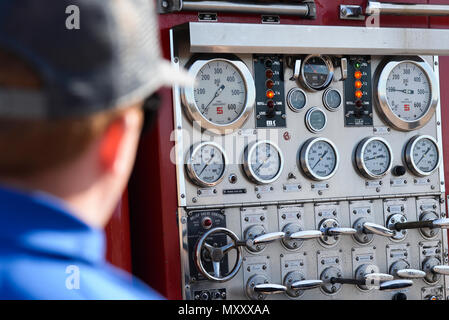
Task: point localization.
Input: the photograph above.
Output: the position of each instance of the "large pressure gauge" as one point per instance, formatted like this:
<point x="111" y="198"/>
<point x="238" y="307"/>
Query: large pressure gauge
<point x="319" y="159"/>
<point x="374" y="157"/>
<point x="263" y="162"/>
<point x="317" y="72"/>
<point x="422" y="155"/>
<point x="223" y="96"/>
<point x="407" y="94"/>
<point x="206" y="164"/>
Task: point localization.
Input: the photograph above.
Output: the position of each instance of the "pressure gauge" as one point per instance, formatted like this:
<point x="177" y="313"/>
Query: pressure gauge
<point x="407" y="94"/>
<point x="317" y="72"/>
<point x="332" y="99"/>
<point x="296" y="99"/>
<point x="223" y="96"/>
<point x="263" y="162"/>
<point x="316" y="120"/>
<point x="206" y="164"/>
<point x="374" y="157"/>
<point x="319" y="159"/>
<point x="422" y="155"/>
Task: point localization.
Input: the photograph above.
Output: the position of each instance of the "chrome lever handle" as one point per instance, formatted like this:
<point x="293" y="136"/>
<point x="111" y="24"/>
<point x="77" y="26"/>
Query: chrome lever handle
<point x="441" y="223"/>
<point x="266" y="238"/>
<point x="306" y="235"/>
<point x="410" y="274"/>
<point x="378" y="277"/>
<point x="340" y="231"/>
<point x="394" y="285"/>
<point x="378" y="229"/>
<point x="306" y="284"/>
<point x="270" y="288"/>
<point x="444" y="270"/>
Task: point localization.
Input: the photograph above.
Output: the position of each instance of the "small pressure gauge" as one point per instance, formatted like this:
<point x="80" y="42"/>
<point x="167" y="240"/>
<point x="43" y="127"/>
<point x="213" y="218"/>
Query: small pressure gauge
<point x="263" y="162"/>
<point x="332" y="99"/>
<point x="319" y="159"/>
<point x="296" y="99"/>
<point x="316" y="120"/>
<point x="422" y="155"/>
<point x="374" y="157"/>
<point x="206" y="164"/>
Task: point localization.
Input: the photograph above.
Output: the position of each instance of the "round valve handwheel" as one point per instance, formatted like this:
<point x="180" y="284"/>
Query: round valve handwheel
<point x="217" y="255"/>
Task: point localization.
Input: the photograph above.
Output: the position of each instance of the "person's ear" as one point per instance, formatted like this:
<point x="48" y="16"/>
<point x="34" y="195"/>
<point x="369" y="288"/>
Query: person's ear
<point x="110" y="144"/>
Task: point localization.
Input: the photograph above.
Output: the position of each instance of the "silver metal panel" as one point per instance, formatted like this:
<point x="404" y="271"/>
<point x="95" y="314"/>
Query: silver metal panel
<point x="251" y="38"/>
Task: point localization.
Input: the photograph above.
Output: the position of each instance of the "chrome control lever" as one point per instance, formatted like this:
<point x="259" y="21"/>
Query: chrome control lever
<point x="432" y="224"/>
<point x="265" y="238"/>
<point x="269" y="288"/>
<point x="306" y="284"/>
<point x="444" y="270"/>
<point x="410" y="274"/>
<point x="374" y="228"/>
<point x="394" y="285"/>
<point x="339" y="231"/>
<point x="306" y="235"/>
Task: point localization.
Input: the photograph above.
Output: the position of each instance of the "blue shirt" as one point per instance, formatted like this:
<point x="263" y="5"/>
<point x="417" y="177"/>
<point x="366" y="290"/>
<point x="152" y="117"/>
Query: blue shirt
<point x="48" y="253"/>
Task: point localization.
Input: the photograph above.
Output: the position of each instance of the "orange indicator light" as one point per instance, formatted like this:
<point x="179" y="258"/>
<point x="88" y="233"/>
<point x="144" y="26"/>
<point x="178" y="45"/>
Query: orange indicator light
<point x="358" y="84"/>
<point x="359" y="94"/>
<point x="270" y="94"/>
<point x="358" y="75"/>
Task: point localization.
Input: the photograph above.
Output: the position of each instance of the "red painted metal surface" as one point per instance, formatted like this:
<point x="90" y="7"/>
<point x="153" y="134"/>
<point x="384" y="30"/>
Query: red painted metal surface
<point x="152" y="189"/>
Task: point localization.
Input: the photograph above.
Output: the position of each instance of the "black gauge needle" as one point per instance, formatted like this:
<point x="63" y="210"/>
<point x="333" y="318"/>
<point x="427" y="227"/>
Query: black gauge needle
<point x="265" y="161"/>
<point x="424" y="155"/>
<point x="208" y="162"/>
<point x="216" y="95"/>
<point x="376" y="157"/>
<point x="406" y="91"/>
<point x="321" y="158"/>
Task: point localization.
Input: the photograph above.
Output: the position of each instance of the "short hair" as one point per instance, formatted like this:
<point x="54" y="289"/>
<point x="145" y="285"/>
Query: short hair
<point x="29" y="147"/>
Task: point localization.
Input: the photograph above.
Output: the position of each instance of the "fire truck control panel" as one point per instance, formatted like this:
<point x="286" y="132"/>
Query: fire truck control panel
<point x="308" y="166"/>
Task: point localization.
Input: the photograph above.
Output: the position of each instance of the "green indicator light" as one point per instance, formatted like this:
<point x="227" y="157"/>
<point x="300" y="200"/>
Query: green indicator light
<point x="358" y="65"/>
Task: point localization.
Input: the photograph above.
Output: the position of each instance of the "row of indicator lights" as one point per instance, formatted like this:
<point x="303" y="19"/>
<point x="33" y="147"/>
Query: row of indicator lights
<point x="358" y="83"/>
<point x="269" y="83"/>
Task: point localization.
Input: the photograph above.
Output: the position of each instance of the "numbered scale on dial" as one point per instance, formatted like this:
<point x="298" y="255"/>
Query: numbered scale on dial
<point x="223" y="97"/>
<point x="263" y="162"/>
<point x="374" y="157"/>
<point x="407" y="94"/>
<point x="319" y="159"/>
<point x="422" y="155"/>
<point x="206" y="164"/>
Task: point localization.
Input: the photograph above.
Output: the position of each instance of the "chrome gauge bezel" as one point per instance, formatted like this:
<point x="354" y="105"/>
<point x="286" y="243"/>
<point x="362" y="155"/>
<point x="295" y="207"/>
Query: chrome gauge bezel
<point x="330" y="76"/>
<point x="304" y="160"/>
<point x="326" y="93"/>
<point x="289" y="95"/>
<point x="191" y="170"/>
<point x="247" y="155"/>
<point x="382" y="103"/>
<point x="360" y="162"/>
<point x="409" y="155"/>
<point x="308" y="120"/>
<point x="188" y="98"/>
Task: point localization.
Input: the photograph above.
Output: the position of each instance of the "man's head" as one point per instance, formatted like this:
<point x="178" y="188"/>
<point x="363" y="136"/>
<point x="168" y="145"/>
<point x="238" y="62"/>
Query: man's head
<point x="71" y="98"/>
<point x="83" y="160"/>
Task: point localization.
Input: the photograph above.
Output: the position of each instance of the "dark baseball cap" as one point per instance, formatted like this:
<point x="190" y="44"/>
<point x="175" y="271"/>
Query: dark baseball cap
<point x="91" y="55"/>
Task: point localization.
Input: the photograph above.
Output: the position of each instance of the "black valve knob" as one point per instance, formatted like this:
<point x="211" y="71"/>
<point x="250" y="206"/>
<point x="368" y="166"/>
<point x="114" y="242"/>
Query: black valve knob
<point x="399" y="171"/>
<point x="400" y="296"/>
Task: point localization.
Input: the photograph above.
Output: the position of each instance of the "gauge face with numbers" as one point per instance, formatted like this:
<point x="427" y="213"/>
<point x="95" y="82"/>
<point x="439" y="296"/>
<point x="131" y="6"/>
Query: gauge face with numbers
<point x="206" y="164"/>
<point x="407" y="94"/>
<point x="223" y="96"/>
<point x="374" y="157"/>
<point x="263" y="162"/>
<point x="422" y="155"/>
<point x="319" y="159"/>
<point x="317" y="72"/>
